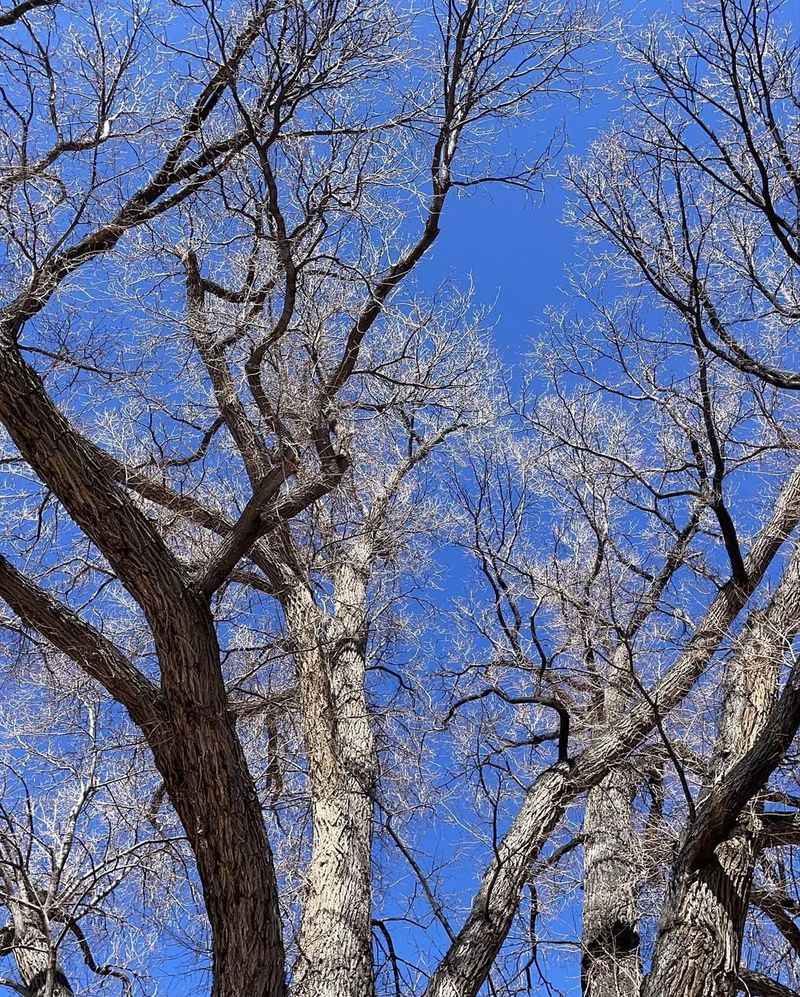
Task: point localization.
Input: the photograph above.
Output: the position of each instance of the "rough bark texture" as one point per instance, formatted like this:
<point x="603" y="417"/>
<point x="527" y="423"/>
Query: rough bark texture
<point x="610" y="965"/>
<point x="335" y="943"/>
<point x="700" y="935"/>
<point x="470" y="956"/>
<point x="758" y="985"/>
<point x="701" y="939"/>
<point x="34" y="954"/>
<point x="610" y="962"/>
<point x="210" y="786"/>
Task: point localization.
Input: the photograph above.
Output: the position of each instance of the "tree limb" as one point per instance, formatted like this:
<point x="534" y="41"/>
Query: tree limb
<point x="88" y="648"/>
<point x="9" y="17"/>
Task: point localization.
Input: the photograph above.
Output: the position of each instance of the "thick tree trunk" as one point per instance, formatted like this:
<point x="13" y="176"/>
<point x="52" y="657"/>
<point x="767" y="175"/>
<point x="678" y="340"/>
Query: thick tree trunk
<point x="700" y="935"/>
<point x="34" y="955"/>
<point x="208" y="781"/>
<point x="335" y="943"/>
<point x="209" y="784"/>
<point x="187" y="726"/>
<point x="610" y="965"/>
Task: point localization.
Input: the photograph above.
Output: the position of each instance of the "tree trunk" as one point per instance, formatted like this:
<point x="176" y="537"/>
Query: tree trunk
<point x="212" y="791"/>
<point x="610" y="965"/>
<point x="700" y="935"/>
<point x="188" y="729"/>
<point x="33" y="952"/>
<point x="335" y="943"/>
<point x="208" y="781"/>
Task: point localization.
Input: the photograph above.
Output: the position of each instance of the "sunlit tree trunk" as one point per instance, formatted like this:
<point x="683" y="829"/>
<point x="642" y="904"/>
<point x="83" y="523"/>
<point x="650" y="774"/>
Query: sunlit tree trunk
<point x="610" y="964"/>
<point x="34" y="954"/>
<point x="700" y="934"/>
<point x="335" y="957"/>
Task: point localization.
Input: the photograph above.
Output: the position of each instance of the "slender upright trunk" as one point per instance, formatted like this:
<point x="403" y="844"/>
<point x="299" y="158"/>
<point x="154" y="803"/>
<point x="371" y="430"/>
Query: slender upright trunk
<point x="700" y="935"/>
<point x="335" y="942"/>
<point x="610" y="965"/>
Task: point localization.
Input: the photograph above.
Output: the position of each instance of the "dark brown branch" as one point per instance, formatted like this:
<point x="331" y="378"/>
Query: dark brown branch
<point x="782" y="911"/>
<point x="67" y="462"/>
<point x="436" y="907"/>
<point x="376" y="923"/>
<point x="88" y="648"/>
<point x="779" y="829"/>
<point x="540" y="700"/>
<point x="756" y="984"/>
<point x="739" y="358"/>
<point x="88" y="958"/>
<point x="719" y="808"/>
<point x="146" y="203"/>
<point x="11" y="16"/>
<point x="248" y="529"/>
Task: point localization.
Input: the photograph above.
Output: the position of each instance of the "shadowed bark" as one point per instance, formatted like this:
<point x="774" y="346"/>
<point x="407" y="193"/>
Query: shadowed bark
<point x="701" y="928"/>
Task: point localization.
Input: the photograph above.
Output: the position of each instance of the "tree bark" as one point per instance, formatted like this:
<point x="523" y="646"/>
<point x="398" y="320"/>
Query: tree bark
<point x="610" y="965"/>
<point x="610" y="962"/>
<point x="754" y="984"/>
<point x="189" y="728"/>
<point x="335" y="942"/>
<point x="34" y="954"/>
<point x="209" y="784"/>
<point x="700" y="935"/>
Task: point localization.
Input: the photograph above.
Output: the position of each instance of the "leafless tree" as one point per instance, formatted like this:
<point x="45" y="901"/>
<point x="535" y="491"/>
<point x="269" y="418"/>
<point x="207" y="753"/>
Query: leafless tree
<point x="218" y="388"/>
<point x="695" y="200"/>
<point x="240" y="432"/>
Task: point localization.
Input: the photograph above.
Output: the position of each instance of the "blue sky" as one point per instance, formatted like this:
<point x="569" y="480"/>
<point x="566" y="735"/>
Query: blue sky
<point x="517" y="249"/>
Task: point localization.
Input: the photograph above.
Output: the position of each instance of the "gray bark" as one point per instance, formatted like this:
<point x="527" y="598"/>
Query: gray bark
<point x="335" y="942"/>
<point x="610" y="965"/>
<point x="27" y="936"/>
<point x="700" y="934"/>
<point x="610" y="962"/>
<point x="34" y="955"/>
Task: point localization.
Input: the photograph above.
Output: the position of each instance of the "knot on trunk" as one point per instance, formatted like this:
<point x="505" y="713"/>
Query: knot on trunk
<point x="617" y="939"/>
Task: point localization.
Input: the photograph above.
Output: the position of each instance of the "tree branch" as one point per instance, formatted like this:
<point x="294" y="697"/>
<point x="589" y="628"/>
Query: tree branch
<point x="756" y="984"/>
<point x="252" y="524"/>
<point x="11" y="16"/>
<point x="88" y="648"/>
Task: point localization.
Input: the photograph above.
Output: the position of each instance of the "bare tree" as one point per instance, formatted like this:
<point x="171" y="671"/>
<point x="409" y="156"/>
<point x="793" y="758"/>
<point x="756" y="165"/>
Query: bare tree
<point x="605" y="629"/>
<point x="240" y="430"/>
<point x="75" y="859"/>
<point x="210" y="406"/>
<point x="696" y="196"/>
